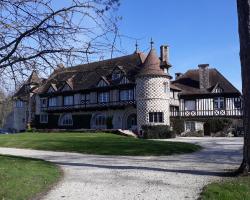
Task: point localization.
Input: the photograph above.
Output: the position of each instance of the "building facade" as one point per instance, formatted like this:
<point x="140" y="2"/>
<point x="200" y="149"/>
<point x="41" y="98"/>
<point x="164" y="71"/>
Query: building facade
<point x="124" y="93"/>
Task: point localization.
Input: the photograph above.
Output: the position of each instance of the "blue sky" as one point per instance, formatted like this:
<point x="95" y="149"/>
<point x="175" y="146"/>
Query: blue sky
<point x="197" y="31"/>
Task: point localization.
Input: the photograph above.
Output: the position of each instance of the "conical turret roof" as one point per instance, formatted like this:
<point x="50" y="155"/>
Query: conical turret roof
<point x="151" y="65"/>
<point x="34" y="78"/>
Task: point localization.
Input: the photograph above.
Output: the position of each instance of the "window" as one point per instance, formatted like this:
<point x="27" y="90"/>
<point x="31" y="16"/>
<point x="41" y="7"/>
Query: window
<point x="190" y="126"/>
<point x="85" y="98"/>
<point x="126" y="95"/>
<point x="100" y="120"/>
<point x="103" y="97"/>
<point x="44" y="118"/>
<point x="43" y="102"/>
<point x="218" y="90"/>
<point x="66" y="120"/>
<point x="124" y="80"/>
<point x="190" y="105"/>
<point x="116" y="75"/>
<point x="52" y="101"/>
<point x="166" y="88"/>
<point x="156" y="117"/>
<point x="68" y="100"/>
<point x="19" y="103"/>
<point x="219" y="103"/>
<point x="237" y="103"/>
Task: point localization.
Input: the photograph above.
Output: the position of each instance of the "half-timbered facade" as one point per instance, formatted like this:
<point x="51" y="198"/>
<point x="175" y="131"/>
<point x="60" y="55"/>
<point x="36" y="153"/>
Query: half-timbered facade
<point x="126" y="93"/>
<point x="205" y="93"/>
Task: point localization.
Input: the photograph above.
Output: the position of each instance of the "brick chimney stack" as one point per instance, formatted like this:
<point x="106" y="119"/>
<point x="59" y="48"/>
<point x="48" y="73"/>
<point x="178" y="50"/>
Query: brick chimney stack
<point x="204" y="76"/>
<point x="164" y="53"/>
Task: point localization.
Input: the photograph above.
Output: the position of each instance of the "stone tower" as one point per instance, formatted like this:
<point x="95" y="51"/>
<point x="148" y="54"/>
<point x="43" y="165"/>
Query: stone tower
<point x="152" y="93"/>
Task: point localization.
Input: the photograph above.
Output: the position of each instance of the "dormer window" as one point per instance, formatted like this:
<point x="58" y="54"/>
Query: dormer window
<point x="124" y="80"/>
<point x="116" y="74"/>
<point x="218" y="90"/>
<point x="19" y="103"/>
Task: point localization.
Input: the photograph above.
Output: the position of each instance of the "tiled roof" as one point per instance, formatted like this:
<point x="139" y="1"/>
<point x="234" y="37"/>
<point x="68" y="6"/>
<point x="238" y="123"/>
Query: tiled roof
<point x="151" y="65"/>
<point x="189" y="83"/>
<point x="87" y="76"/>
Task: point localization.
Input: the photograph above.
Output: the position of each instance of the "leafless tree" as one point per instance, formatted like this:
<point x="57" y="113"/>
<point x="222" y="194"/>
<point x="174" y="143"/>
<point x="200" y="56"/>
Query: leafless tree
<point x="244" y="34"/>
<point x="40" y="34"/>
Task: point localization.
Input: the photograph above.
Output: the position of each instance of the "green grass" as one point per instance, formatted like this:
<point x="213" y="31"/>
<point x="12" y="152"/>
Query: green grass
<point x="24" y="178"/>
<point x="235" y="189"/>
<point x="95" y="143"/>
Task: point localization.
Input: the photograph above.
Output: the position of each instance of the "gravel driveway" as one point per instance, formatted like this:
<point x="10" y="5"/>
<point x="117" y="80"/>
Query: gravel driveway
<point x="93" y="177"/>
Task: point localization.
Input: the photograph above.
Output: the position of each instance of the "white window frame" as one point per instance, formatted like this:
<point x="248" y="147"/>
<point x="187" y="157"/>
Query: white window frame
<point x="66" y="120"/>
<point x="156" y="117"/>
<point x="44" y="118"/>
<point x="103" y="97"/>
<point x="190" y="126"/>
<point x="126" y="95"/>
<point x="68" y="100"/>
<point x="52" y="101"/>
<point x="219" y="103"/>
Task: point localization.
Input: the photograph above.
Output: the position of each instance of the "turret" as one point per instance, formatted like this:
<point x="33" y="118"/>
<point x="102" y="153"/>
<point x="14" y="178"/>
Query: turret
<point x="153" y="93"/>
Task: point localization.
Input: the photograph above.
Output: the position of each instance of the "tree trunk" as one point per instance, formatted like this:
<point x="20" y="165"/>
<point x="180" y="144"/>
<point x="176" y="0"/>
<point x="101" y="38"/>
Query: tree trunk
<point x="244" y="34"/>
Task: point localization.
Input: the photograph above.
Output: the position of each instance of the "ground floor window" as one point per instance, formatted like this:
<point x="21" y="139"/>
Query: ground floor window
<point x="66" y="120"/>
<point x="190" y="126"/>
<point x="100" y="120"/>
<point x="44" y="118"/>
<point x="156" y="117"/>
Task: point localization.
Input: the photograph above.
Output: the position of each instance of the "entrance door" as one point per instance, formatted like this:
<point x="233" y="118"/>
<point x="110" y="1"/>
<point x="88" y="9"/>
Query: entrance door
<point x="132" y="121"/>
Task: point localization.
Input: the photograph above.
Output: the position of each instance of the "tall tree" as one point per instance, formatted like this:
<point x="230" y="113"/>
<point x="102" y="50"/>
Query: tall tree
<point x="244" y="34"/>
<point x="40" y="34"/>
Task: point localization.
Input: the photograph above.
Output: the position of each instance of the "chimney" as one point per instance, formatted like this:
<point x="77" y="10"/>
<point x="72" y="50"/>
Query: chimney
<point x="178" y="75"/>
<point x="164" y="53"/>
<point x="204" y="76"/>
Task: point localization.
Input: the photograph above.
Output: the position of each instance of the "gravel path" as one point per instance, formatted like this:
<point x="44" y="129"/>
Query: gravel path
<point x="93" y="177"/>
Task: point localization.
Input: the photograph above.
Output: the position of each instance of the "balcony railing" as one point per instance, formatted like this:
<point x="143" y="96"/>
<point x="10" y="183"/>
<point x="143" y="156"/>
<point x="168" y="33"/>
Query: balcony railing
<point x="207" y="113"/>
<point x="90" y="106"/>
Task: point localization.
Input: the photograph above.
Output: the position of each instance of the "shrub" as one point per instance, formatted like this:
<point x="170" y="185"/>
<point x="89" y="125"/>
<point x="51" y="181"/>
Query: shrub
<point x="218" y="125"/>
<point x="157" y="132"/>
<point x="177" y="125"/>
<point x="198" y="133"/>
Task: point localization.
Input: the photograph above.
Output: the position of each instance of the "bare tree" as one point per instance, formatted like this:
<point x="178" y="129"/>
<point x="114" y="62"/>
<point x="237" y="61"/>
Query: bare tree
<point x="244" y="34"/>
<point x="40" y="34"/>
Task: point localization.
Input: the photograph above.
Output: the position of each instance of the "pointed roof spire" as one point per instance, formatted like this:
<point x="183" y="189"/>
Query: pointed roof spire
<point x="151" y="43"/>
<point x="136" y="47"/>
<point x="151" y="65"/>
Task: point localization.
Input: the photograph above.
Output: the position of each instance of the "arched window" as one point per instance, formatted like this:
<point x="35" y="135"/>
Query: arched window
<point x="66" y="120"/>
<point x="100" y="120"/>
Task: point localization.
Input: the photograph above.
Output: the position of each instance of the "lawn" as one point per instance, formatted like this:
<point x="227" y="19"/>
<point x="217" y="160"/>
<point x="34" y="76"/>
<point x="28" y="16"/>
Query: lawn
<point x="95" y="143"/>
<point x="24" y="178"/>
<point x="236" y="189"/>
